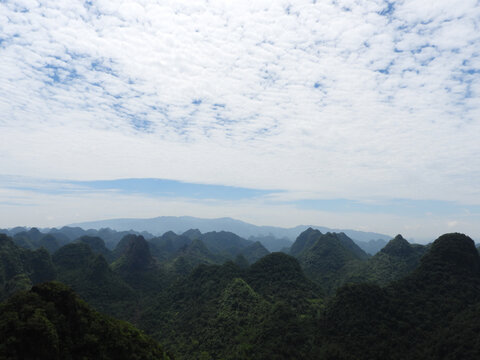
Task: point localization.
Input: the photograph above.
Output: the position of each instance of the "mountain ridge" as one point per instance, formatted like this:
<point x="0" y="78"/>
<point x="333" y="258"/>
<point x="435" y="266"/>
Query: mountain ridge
<point x="180" y="224"/>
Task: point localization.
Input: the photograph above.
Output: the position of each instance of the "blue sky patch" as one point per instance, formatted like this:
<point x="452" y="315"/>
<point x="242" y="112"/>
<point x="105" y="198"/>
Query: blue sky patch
<point x="402" y="207"/>
<point x="148" y="187"/>
<point x="61" y="75"/>
<point x="173" y="188"/>
<point x="100" y="65"/>
<point x="141" y="124"/>
<point x="389" y="9"/>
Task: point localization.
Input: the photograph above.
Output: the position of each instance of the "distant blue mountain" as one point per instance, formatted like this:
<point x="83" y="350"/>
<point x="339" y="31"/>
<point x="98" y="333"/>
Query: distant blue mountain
<point x="180" y="224"/>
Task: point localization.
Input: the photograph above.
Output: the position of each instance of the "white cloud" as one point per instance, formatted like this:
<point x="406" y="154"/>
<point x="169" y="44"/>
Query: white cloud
<point x="331" y="99"/>
<point x="452" y="223"/>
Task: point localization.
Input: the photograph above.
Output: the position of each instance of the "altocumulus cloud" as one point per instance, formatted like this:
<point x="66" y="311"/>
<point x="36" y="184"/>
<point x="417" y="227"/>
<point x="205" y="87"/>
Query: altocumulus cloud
<point x="334" y="99"/>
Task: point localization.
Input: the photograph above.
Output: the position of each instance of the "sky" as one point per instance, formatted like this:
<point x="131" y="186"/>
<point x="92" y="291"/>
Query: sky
<point x="346" y="114"/>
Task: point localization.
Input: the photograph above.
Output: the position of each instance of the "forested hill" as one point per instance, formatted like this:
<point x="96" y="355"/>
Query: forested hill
<point x="51" y="322"/>
<point x="415" y="317"/>
<point x="219" y="296"/>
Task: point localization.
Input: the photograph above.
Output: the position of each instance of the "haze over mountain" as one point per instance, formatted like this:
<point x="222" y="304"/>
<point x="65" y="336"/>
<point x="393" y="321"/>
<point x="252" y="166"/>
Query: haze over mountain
<point x="180" y="224"/>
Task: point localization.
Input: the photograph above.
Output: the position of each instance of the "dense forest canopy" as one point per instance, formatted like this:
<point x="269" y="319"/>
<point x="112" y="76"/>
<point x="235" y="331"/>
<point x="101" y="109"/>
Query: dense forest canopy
<point x="218" y="296"/>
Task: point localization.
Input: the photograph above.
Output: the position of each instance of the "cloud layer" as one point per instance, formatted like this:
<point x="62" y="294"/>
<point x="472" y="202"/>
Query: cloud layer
<point x="341" y="99"/>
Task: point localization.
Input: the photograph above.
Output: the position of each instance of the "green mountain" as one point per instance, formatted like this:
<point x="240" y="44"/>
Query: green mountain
<point x="254" y="252"/>
<point x="136" y="257"/>
<point x="12" y="231"/>
<point x="70" y="232"/>
<point x="408" y="319"/>
<point x="137" y="267"/>
<point x="91" y="277"/>
<point x="327" y="258"/>
<point x="238" y="311"/>
<point x="23" y="241"/>
<point x="21" y="268"/>
<point x="182" y="253"/>
<point x="352" y="246"/>
<point x="224" y="243"/>
<point x="192" y="255"/>
<point x="33" y="234"/>
<point x="51" y="322"/>
<point x="304" y="241"/>
<point x="39" y="266"/>
<point x="182" y="317"/>
<point x="73" y="256"/>
<point x="192" y="234"/>
<point x="112" y="237"/>
<point x="34" y="239"/>
<point x="124" y="244"/>
<point x="49" y="242"/>
<point x="279" y="277"/>
<point x="396" y="260"/>
<point x="52" y="239"/>
<point x="167" y="246"/>
<point x="97" y="245"/>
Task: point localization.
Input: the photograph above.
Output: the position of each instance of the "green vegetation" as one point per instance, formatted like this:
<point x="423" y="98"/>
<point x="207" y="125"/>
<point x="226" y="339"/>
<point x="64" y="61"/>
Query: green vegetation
<point x="254" y="252"/>
<point x="396" y="260"/>
<point x="97" y="245"/>
<point x="207" y="298"/>
<point x="224" y="311"/>
<point x="20" y="268"/>
<point x="406" y="319"/>
<point x="34" y="239"/>
<point x="137" y="268"/>
<point x="51" y="322"/>
<point x="91" y="277"/>
<point x="327" y="258"/>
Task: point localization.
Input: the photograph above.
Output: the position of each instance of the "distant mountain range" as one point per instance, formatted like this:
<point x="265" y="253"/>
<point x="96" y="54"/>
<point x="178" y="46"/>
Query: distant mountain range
<point x="369" y="241"/>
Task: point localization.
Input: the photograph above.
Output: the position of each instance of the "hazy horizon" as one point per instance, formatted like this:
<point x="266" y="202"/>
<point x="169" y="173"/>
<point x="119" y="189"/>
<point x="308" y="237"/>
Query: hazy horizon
<point x="341" y="114"/>
<point x="419" y="240"/>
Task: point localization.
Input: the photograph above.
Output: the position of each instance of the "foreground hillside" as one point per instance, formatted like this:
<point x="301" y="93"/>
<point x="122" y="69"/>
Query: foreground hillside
<point x="51" y="322"/>
<point x="218" y="296"/>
